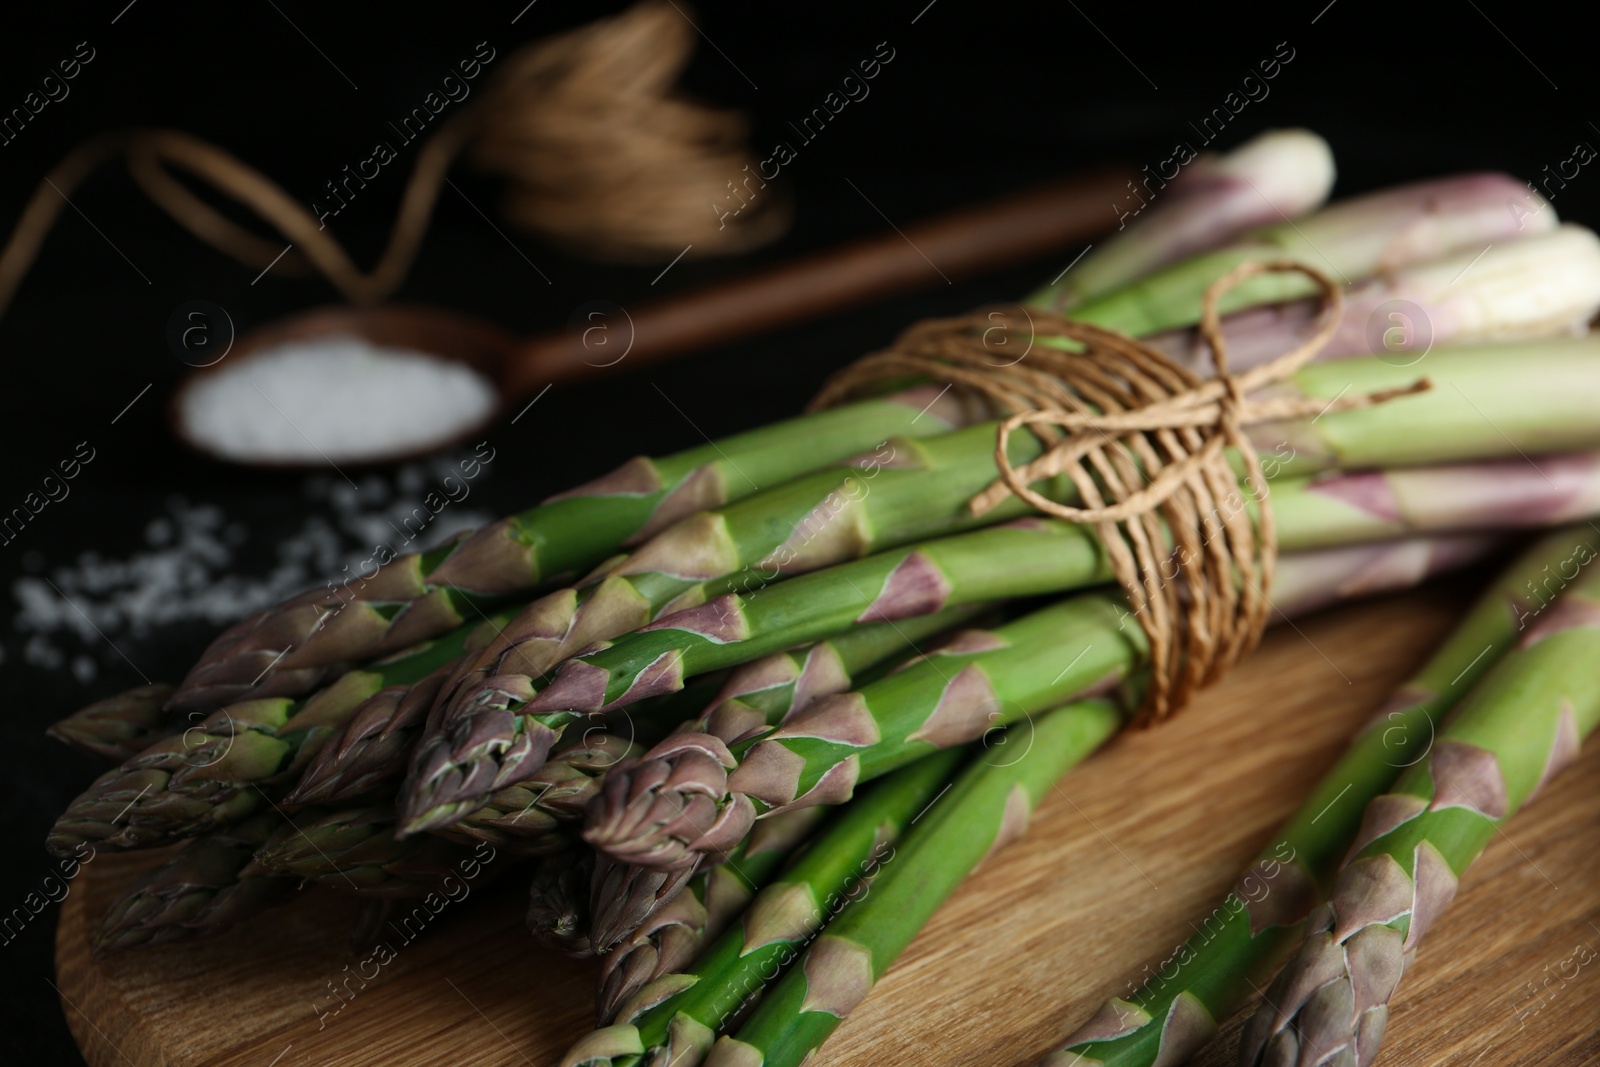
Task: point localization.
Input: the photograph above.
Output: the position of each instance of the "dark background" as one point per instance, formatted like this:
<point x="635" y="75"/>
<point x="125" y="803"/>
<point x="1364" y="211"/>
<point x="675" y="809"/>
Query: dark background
<point x="980" y="99"/>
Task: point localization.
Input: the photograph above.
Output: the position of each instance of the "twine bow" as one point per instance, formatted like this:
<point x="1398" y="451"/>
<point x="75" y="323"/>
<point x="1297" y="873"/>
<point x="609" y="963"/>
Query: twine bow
<point x="1146" y="442"/>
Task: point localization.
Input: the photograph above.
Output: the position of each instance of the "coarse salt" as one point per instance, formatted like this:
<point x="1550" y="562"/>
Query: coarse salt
<point x="338" y="398"/>
<point x="195" y="566"/>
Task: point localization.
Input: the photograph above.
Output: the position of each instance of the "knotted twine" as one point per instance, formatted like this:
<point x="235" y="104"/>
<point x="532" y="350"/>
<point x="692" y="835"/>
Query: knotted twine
<point x="1146" y="442"/>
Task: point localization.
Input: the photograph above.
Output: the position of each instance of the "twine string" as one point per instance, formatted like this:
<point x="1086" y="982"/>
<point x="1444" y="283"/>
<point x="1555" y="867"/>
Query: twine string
<point x="600" y="154"/>
<point x="1147" y="445"/>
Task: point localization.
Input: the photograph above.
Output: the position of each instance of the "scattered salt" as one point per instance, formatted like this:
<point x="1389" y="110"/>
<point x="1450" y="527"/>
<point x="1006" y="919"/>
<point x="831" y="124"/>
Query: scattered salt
<point x="40" y="653"/>
<point x="334" y="398"/>
<point x="186" y="571"/>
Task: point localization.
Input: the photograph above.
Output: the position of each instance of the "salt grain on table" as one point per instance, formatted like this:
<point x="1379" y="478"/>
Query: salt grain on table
<point x="188" y="570"/>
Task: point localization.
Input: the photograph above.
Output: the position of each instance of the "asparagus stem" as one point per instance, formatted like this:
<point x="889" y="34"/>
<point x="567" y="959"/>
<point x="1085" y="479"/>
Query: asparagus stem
<point x="988" y="807"/>
<point x="673" y="1018"/>
<point x="1341" y="508"/>
<point x="1543" y="285"/>
<point x="1519" y="727"/>
<point x="213" y="773"/>
<point x="285" y="650"/>
<point x="1487" y="402"/>
<point x="1329" y="576"/>
<point x="697" y="794"/>
<point x="1245" y="937"/>
<point x="119" y="727"/>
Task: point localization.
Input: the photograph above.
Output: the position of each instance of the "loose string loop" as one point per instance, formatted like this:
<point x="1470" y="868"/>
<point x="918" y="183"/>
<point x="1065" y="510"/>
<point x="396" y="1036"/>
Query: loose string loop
<point x="600" y="152"/>
<point x="1148" y="447"/>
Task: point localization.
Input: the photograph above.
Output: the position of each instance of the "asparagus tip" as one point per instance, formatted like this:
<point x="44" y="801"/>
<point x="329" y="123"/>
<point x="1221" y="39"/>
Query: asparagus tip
<point x="664" y="810"/>
<point x="459" y="767"/>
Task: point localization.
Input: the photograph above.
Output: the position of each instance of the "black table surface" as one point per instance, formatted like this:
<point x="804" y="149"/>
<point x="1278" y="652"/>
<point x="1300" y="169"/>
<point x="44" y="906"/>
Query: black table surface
<point x="979" y="99"/>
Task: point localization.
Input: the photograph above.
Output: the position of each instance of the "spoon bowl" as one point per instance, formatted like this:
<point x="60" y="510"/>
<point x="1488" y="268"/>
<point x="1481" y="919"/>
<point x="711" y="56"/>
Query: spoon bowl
<point x="448" y="336"/>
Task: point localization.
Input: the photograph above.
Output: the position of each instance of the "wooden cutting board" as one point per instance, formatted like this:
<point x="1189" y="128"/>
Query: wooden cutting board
<point x="1142" y="839"/>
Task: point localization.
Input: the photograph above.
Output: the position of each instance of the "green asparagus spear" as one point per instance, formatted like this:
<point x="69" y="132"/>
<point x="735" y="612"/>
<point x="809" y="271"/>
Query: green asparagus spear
<point x="355" y="850"/>
<point x="208" y="886"/>
<point x="1518" y="728"/>
<point x="1338" y="508"/>
<point x="281" y="651"/>
<point x="119" y="727"/>
<point x="368" y="753"/>
<point x="213" y="773"/>
<point x="543" y="814"/>
<point x="368" y="756"/>
<point x="1246" y="936"/>
<point x="987" y="808"/>
<point x="758" y="695"/>
<point x="673" y="1018"/>
<point x="673" y="934"/>
<point x="694" y="793"/>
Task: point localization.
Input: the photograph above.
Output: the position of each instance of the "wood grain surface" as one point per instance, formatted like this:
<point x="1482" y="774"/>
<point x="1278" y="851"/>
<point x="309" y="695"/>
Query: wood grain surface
<point x="1132" y="846"/>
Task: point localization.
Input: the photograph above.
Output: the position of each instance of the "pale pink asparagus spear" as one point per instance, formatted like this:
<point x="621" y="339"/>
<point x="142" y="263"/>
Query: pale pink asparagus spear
<point x="1176" y="209"/>
<point x="1543" y="285"/>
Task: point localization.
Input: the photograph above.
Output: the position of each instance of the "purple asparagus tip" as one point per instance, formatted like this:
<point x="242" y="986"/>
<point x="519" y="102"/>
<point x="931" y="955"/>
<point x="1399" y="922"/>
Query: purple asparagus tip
<point x="457" y="768"/>
<point x="666" y="809"/>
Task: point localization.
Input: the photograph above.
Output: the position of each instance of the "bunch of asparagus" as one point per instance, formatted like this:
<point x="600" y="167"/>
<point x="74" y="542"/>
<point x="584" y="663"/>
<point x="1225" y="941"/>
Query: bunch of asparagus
<point x="663" y="691"/>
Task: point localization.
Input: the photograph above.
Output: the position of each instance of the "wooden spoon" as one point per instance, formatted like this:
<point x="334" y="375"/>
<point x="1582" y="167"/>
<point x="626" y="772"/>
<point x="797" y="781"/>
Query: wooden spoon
<point x="606" y="338"/>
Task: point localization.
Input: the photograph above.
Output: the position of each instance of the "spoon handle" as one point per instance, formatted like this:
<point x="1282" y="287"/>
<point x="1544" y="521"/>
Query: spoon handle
<point x="1013" y="229"/>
